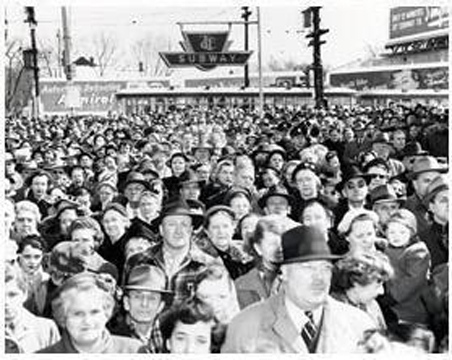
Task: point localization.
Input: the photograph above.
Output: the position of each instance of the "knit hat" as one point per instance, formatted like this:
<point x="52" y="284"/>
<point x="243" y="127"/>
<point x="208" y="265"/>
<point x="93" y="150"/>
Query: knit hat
<point x="405" y="217"/>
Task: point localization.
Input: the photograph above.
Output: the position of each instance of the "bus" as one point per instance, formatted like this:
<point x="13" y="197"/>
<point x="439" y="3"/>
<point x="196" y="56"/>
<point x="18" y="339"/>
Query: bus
<point x="144" y="100"/>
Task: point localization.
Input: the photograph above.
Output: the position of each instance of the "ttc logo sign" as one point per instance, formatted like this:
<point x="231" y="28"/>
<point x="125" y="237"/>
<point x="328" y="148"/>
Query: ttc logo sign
<point x="205" y="50"/>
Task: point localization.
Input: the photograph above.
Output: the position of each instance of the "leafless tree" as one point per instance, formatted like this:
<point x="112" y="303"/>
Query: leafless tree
<point x="146" y="50"/>
<point x="49" y="57"/>
<point x="105" y="51"/>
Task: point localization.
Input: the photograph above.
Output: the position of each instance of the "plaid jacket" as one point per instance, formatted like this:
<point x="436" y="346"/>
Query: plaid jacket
<point x="182" y="283"/>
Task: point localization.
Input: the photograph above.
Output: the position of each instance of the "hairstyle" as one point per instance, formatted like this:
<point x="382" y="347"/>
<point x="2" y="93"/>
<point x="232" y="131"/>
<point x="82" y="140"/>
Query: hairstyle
<point x="81" y="192"/>
<point x="362" y="217"/>
<point x="149" y="194"/>
<point x="219" y="209"/>
<point x="26" y="205"/>
<point x="35" y="241"/>
<point x="311" y="202"/>
<point x="362" y="269"/>
<point x="190" y="312"/>
<point x="214" y="272"/>
<point x="221" y="165"/>
<point x="270" y="223"/>
<point x="87" y="222"/>
<point x="83" y="282"/>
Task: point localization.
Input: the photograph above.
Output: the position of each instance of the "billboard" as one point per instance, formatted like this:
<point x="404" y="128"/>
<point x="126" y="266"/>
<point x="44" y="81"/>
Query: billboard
<point x="417" y="20"/>
<point x="92" y="96"/>
<point x="403" y="79"/>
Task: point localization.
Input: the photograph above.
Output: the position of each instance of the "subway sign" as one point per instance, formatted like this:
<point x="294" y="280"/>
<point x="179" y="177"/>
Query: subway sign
<point x="205" y="50"/>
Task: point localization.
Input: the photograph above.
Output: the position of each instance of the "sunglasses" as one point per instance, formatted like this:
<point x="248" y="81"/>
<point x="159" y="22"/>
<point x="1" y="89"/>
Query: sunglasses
<point x="359" y="185"/>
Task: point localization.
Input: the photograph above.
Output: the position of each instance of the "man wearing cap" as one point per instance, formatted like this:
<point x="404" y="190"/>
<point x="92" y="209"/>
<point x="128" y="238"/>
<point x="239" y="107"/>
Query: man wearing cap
<point x="302" y="317"/>
<point x="135" y="185"/>
<point x="385" y="203"/>
<point x="425" y="169"/>
<point x="144" y="298"/>
<point x="436" y="236"/>
<point x="175" y="255"/>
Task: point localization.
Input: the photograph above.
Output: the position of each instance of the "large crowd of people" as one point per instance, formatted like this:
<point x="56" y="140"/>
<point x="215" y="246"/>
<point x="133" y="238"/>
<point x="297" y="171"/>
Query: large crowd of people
<point x="197" y="230"/>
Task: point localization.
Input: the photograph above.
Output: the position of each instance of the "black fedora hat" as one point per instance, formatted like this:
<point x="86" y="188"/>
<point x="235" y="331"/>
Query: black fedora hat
<point x="352" y="172"/>
<point x="178" y="206"/>
<point x="305" y="243"/>
<point x="278" y="190"/>
<point x="135" y="177"/>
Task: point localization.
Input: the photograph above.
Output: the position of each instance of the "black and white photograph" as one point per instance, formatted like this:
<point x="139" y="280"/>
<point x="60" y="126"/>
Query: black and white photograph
<point x="223" y="177"/>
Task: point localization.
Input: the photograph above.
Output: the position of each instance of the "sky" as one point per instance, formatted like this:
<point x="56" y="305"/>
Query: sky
<point x="355" y="28"/>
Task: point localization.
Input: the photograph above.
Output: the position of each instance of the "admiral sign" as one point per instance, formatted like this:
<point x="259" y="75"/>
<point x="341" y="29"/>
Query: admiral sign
<point x="205" y="50"/>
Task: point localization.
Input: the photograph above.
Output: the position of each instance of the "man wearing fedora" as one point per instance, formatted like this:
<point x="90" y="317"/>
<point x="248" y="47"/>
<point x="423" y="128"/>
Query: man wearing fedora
<point x="354" y="188"/>
<point x="385" y="150"/>
<point x="385" y="203"/>
<point x="174" y="254"/>
<point x="145" y="296"/>
<point x="302" y="317"/>
<point x="436" y="235"/>
<point x="276" y="200"/>
<point x="424" y="170"/>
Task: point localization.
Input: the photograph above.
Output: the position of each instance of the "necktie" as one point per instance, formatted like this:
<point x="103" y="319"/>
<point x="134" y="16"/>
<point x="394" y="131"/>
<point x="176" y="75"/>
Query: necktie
<point x="309" y="332"/>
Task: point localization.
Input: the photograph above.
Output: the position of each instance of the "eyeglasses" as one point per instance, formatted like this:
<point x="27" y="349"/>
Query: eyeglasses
<point x="359" y="185"/>
<point x="378" y="176"/>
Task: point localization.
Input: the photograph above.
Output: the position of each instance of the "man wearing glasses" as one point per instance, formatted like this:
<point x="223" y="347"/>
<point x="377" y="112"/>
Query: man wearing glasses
<point x="378" y="171"/>
<point x="354" y="188"/>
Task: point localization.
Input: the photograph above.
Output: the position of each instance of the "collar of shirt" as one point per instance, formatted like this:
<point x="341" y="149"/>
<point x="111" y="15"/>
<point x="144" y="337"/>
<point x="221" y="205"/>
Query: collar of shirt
<point x="132" y="213"/>
<point x="299" y="317"/>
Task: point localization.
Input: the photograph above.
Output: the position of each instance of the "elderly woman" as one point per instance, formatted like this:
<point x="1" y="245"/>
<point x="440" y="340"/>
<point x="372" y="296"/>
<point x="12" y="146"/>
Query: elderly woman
<point x="219" y="225"/>
<point x="82" y="308"/>
<point x="190" y="327"/>
<point x="31" y="252"/>
<point x="215" y="288"/>
<point x="358" y="279"/>
<point x="265" y="246"/>
<point x="359" y="228"/>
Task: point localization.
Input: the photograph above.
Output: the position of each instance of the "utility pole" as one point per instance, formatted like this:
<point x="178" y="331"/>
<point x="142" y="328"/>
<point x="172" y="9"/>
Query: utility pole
<point x="66" y="44"/>
<point x="245" y="16"/>
<point x="31" y="20"/>
<point x="316" y="43"/>
<point x="259" y="61"/>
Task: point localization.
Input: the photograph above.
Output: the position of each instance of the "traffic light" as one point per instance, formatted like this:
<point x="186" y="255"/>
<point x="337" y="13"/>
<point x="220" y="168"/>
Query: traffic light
<point x="307" y="18"/>
<point x="246" y="13"/>
<point x="30" y="13"/>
